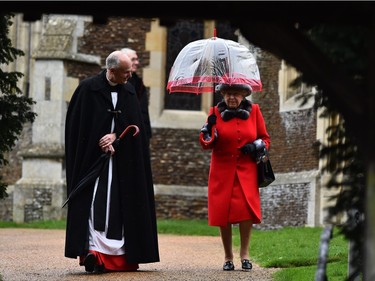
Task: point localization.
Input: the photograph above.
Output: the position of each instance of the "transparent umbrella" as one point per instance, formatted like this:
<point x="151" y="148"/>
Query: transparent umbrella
<point x="204" y="63"/>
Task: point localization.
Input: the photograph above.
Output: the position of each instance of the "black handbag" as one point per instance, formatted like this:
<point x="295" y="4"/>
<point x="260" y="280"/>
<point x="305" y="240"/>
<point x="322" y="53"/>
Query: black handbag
<point x="265" y="172"/>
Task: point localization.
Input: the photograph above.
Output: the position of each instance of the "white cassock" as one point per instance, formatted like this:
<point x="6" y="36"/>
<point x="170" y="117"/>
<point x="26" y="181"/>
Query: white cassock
<point x="98" y="240"/>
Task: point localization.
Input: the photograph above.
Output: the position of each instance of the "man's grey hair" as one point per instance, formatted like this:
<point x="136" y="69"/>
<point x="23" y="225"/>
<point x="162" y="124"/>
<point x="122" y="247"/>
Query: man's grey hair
<point x="112" y="61"/>
<point x="127" y="51"/>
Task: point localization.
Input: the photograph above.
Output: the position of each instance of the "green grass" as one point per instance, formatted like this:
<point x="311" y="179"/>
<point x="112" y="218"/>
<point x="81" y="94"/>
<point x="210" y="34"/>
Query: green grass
<point x="293" y="250"/>
<point x="37" y="224"/>
<point x="183" y="227"/>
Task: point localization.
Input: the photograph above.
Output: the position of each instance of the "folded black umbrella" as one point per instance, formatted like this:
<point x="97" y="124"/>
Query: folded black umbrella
<point x="98" y="166"/>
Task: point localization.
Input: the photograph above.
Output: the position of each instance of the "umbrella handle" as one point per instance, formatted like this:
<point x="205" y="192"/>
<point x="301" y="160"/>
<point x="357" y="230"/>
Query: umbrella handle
<point x="127" y="129"/>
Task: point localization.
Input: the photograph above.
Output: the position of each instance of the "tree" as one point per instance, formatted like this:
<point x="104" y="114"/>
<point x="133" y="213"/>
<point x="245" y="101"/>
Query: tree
<point x="15" y="108"/>
<point x="347" y="47"/>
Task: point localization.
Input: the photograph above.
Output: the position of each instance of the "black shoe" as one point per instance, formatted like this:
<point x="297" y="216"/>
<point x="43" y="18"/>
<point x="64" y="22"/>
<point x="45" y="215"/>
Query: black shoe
<point x="99" y="269"/>
<point x="228" y="265"/>
<point x="89" y="262"/>
<point x="246" y="265"/>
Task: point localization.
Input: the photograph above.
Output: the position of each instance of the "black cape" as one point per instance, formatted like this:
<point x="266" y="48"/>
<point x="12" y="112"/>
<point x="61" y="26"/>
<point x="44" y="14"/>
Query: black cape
<point x="142" y="95"/>
<point x="88" y="118"/>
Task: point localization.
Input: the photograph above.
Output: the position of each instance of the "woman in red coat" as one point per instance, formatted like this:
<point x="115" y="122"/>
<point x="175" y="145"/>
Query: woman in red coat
<point x="236" y="133"/>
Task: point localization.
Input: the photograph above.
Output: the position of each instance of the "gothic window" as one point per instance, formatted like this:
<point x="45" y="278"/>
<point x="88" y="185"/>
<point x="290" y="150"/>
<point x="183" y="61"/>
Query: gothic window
<point x="179" y="35"/>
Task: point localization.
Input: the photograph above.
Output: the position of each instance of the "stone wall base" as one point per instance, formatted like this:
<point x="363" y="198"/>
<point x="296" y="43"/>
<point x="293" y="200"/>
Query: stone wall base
<point x="292" y="200"/>
<point x="38" y="201"/>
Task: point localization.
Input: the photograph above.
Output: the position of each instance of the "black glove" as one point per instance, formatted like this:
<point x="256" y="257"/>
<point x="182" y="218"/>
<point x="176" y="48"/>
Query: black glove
<point x="248" y="148"/>
<point x="206" y="129"/>
<point x="207" y="134"/>
<point x="252" y="148"/>
<point x="211" y="120"/>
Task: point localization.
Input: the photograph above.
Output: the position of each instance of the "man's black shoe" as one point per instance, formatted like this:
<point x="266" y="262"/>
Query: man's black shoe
<point x="89" y="262"/>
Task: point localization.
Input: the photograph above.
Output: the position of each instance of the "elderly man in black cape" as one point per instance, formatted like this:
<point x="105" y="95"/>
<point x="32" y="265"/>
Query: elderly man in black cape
<point x="111" y="222"/>
<point x="140" y="88"/>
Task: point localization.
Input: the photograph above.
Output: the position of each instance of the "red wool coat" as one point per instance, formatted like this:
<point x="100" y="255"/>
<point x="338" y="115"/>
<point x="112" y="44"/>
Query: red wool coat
<point x="227" y="160"/>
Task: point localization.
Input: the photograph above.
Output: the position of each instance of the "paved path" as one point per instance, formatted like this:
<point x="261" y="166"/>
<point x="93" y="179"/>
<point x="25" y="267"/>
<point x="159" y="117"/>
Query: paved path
<point x="38" y="255"/>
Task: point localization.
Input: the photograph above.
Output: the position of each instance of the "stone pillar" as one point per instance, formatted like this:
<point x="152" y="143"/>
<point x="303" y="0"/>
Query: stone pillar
<point x="40" y="192"/>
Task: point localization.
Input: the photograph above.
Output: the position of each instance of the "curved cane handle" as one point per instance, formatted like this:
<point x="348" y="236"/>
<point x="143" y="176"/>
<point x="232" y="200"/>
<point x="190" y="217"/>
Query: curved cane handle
<point x="128" y="129"/>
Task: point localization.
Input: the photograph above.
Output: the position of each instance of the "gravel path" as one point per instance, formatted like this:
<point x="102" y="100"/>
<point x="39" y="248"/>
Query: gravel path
<point x="38" y="255"/>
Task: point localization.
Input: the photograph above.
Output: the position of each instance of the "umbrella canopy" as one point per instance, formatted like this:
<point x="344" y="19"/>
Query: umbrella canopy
<point x="95" y="170"/>
<point x="203" y="63"/>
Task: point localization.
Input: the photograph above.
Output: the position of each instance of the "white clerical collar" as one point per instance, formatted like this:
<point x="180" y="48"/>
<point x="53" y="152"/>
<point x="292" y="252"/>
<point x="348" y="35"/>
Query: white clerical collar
<point x="110" y="82"/>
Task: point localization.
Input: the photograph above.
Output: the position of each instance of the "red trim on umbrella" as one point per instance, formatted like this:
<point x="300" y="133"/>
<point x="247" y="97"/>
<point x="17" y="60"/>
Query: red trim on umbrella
<point x="195" y="86"/>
